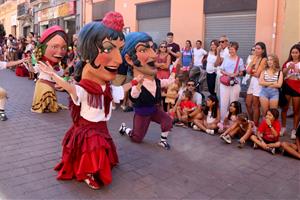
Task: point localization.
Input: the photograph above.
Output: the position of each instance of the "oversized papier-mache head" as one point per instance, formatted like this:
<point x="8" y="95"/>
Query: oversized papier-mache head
<point x="138" y="53"/>
<point x="52" y="45"/>
<point x="99" y="46"/>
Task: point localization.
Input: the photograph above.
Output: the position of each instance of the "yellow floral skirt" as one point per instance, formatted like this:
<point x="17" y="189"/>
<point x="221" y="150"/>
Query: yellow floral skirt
<point x="44" y="99"/>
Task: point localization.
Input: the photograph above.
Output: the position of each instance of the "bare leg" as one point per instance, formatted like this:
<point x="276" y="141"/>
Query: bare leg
<point x="284" y="111"/>
<point x="234" y="131"/>
<point x="212" y="126"/>
<point x="265" y="105"/>
<point x="257" y="141"/>
<point x="291" y="149"/>
<point x="249" y="102"/>
<point x="256" y="110"/>
<point x="296" y="109"/>
<point x="200" y="124"/>
<point x="274" y="103"/>
<point x="274" y="145"/>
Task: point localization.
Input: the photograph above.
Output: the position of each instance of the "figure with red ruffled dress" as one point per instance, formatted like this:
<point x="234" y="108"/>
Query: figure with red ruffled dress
<point x="89" y="152"/>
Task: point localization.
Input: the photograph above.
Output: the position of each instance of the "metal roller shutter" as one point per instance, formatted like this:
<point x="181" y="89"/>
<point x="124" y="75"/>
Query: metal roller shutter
<point x="157" y="28"/>
<point x="238" y="26"/>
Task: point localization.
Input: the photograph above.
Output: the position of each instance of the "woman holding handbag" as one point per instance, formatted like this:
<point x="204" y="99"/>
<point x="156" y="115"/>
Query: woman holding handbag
<point x="230" y="88"/>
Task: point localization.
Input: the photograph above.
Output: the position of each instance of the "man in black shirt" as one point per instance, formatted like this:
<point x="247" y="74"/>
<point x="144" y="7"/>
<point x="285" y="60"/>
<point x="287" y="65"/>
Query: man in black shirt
<point x="173" y="48"/>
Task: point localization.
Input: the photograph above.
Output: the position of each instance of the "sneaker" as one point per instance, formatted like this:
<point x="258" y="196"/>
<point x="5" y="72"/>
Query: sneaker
<point x="179" y="124"/>
<point x="190" y="124"/>
<point x="282" y="131"/>
<point x="271" y="150"/>
<point x="3" y="116"/>
<point x="254" y="146"/>
<point x="165" y="145"/>
<point x="227" y="139"/>
<point x="123" y="107"/>
<point x="122" y="129"/>
<point x="196" y="128"/>
<point x="241" y="145"/>
<point x="293" y="134"/>
<point x="90" y="181"/>
<point x="210" y="132"/>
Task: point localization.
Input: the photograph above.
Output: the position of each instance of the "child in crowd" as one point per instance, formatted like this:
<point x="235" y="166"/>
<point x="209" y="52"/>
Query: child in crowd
<point x="212" y="116"/>
<point x="242" y="127"/>
<point x="235" y="108"/>
<point x="185" y="107"/>
<point x="267" y="135"/>
<point x="293" y="149"/>
<point x="172" y="93"/>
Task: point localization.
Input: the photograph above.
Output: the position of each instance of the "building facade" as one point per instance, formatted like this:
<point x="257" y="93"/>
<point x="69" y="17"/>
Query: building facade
<point x="47" y="13"/>
<point x="8" y="16"/>
<point x="24" y="17"/>
<point x="274" y="22"/>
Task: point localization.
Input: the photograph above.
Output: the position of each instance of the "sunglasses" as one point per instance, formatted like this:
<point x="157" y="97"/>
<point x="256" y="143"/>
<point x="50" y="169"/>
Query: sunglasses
<point x="222" y="41"/>
<point x="163" y="47"/>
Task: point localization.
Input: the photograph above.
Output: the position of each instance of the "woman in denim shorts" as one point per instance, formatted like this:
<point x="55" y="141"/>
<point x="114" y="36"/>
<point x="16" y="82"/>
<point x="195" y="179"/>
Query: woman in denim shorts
<point x="271" y="80"/>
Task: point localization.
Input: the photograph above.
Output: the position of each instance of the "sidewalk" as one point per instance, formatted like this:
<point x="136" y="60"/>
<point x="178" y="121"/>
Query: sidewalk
<point x="198" y="166"/>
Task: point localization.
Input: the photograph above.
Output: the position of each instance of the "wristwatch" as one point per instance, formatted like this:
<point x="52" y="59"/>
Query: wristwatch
<point x="270" y="126"/>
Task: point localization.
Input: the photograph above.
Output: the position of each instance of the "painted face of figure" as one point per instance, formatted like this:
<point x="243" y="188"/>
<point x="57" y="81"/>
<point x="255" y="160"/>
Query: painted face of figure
<point x="147" y="56"/>
<point x="108" y="60"/>
<point x="56" y="49"/>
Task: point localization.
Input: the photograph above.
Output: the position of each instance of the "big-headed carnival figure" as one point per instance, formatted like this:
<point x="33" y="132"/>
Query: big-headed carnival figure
<point x="138" y="53"/>
<point x="89" y="152"/>
<point x="52" y="48"/>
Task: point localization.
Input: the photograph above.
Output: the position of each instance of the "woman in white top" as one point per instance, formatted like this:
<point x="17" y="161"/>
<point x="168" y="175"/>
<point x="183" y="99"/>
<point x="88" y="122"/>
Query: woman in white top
<point x="254" y="69"/>
<point x="232" y="67"/>
<point x="3" y="93"/>
<point x="211" y="67"/>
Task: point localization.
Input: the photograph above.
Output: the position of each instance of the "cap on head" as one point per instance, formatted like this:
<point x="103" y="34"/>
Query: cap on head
<point x="50" y="31"/>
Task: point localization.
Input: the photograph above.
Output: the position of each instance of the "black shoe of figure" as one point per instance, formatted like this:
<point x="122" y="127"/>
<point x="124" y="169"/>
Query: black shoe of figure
<point x="122" y="129"/>
<point x="164" y="145"/>
<point x="3" y="116"/>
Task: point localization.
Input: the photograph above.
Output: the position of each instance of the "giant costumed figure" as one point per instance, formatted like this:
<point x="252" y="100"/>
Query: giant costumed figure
<point x="89" y="152"/>
<point x="138" y="53"/>
<point x="52" y="48"/>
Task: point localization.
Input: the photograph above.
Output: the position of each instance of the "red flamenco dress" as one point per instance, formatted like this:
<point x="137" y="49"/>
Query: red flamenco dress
<point x="88" y="148"/>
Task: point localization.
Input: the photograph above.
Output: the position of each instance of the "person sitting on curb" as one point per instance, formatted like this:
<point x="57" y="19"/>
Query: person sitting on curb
<point x="293" y="148"/>
<point x="243" y="127"/>
<point x="267" y="136"/>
